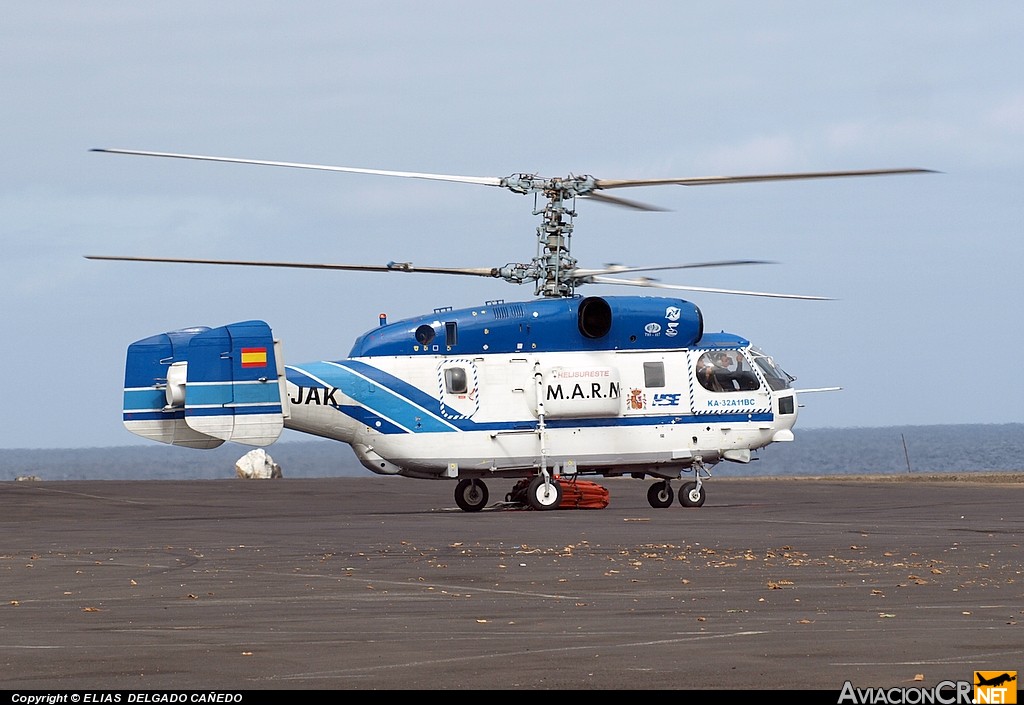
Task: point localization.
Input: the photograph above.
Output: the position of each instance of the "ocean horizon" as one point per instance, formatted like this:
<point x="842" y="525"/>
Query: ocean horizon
<point x="890" y="450"/>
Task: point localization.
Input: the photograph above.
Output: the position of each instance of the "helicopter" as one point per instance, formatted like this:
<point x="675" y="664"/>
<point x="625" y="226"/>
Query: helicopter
<point x="544" y="391"/>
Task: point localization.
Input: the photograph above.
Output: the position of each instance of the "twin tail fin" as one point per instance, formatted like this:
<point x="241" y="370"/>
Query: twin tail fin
<point x="198" y="387"/>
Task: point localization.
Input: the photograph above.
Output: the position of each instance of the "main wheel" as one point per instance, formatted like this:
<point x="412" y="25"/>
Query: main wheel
<point x="471" y="495"/>
<point x="544" y="495"/>
<point x="660" y="495"/>
<point x="691" y="495"/>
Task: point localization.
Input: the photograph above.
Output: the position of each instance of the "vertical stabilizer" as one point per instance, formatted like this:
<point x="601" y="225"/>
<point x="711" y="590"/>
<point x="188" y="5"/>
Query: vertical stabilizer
<point x="234" y="389"/>
<point x="150" y="408"/>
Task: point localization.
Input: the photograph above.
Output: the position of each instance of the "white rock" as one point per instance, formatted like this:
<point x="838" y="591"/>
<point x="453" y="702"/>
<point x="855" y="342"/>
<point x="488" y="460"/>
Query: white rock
<point x="257" y="465"/>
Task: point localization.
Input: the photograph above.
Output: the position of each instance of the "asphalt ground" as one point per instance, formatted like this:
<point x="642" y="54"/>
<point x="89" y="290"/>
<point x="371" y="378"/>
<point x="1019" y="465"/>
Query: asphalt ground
<point x="382" y="583"/>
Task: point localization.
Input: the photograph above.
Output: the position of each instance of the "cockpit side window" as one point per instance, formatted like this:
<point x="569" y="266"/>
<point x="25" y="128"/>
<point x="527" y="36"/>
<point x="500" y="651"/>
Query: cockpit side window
<point x="725" y="371"/>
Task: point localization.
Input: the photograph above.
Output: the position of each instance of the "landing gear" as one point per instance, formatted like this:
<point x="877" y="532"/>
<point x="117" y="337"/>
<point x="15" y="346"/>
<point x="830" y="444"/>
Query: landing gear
<point x="471" y="495"/>
<point x="660" y="495"/>
<point x="692" y="494"/>
<point x="544" y="493"/>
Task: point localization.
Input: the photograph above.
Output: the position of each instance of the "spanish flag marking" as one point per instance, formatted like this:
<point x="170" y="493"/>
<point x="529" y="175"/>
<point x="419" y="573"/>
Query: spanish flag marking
<point x="254" y="357"/>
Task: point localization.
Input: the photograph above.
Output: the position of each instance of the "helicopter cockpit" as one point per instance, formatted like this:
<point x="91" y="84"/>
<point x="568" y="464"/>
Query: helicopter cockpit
<point x="730" y="371"/>
<point x="725" y="371"/>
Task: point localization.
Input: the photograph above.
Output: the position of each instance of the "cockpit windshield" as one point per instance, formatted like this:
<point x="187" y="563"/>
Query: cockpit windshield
<point x="777" y="377"/>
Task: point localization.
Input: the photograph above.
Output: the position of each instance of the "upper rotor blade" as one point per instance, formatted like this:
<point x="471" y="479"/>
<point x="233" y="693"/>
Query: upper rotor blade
<point x="658" y="285"/>
<point x="485" y="180"/>
<point x="389" y="267"/>
<point x="619" y="269"/>
<point x="524" y="183"/>
<point x="707" y="180"/>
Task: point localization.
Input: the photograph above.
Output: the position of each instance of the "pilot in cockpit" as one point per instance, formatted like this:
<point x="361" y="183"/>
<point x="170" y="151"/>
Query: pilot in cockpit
<point x="723" y="372"/>
<point x="707" y="372"/>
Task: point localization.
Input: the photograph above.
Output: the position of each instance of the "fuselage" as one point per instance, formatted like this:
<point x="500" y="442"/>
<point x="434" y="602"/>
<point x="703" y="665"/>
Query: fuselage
<point x="609" y="386"/>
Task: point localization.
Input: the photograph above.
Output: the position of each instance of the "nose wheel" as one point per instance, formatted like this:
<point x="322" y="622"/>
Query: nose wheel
<point x="660" y="495"/>
<point x="692" y="494"/>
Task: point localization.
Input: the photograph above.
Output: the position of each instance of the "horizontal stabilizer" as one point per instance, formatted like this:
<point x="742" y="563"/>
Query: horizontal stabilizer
<point x="198" y="387"/>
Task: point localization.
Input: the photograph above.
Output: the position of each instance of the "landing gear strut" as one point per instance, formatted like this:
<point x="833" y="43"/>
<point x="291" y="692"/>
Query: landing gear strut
<point x="692" y="493"/>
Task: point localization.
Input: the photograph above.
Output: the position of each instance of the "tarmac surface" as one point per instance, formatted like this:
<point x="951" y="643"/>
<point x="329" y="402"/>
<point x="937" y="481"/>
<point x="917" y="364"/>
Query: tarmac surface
<point x="382" y="583"/>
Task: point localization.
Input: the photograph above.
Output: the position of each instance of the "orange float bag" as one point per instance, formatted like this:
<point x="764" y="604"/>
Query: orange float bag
<point x="576" y="494"/>
<point x="583" y="494"/>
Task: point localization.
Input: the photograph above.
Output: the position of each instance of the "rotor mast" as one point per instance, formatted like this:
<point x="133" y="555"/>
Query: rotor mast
<point x="551" y="268"/>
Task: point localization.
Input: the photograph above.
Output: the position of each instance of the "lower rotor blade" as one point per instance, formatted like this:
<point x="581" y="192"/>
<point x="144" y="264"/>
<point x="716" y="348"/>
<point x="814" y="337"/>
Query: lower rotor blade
<point x="389" y="267"/>
<point x="624" y="202"/>
<point x="658" y="285"/>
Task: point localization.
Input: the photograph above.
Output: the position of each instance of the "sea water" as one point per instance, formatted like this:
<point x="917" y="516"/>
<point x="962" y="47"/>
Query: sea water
<point x="815" y="452"/>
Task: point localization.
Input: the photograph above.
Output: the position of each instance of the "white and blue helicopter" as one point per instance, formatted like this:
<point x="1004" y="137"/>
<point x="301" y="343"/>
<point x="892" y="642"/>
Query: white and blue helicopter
<point x="542" y="391"/>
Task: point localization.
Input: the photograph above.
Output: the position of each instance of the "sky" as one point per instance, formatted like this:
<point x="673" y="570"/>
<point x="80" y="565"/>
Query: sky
<point x="923" y="270"/>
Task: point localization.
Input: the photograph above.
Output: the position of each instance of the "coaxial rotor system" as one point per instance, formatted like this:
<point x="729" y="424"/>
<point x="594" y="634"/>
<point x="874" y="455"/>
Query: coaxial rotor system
<point x="553" y="270"/>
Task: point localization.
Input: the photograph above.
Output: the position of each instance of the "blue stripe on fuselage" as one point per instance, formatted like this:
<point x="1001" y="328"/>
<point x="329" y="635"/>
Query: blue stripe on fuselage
<point x="367" y="417"/>
<point x="370" y="418"/>
<point x="380" y="393"/>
